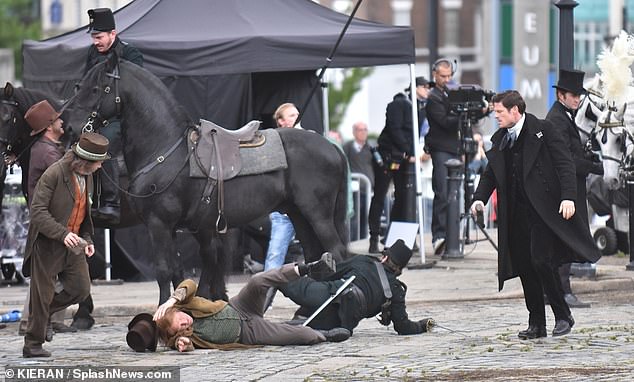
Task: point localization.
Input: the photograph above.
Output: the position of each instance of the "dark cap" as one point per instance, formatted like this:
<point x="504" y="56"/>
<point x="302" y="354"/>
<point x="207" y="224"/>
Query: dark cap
<point x="142" y="333"/>
<point x="571" y="81"/>
<point x="101" y="20"/>
<point x="92" y="147"/>
<point x="420" y="81"/>
<point x="399" y="253"/>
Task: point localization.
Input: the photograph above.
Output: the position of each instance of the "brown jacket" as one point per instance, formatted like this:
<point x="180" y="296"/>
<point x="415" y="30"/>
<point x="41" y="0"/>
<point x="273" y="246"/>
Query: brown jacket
<point x="51" y="206"/>
<point x="199" y="307"/>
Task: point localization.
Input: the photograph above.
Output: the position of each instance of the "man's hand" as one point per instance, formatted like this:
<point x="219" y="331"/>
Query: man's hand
<point x="90" y="250"/>
<point x="476" y="206"/>
<point x="184" y="344"/>
<point x="160" y="312"/>
<point x="72" y="240"/>
<point x="567" y="209"/>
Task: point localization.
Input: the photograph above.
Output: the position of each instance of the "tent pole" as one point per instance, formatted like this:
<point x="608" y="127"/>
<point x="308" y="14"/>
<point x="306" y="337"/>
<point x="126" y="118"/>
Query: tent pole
<point x="327" y="64"/>
<point x="324" y="106"/>
<point x="418" y="153"/>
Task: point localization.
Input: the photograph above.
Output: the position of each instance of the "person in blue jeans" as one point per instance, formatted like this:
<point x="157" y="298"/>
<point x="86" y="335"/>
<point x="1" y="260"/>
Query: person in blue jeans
<point x="282" y="233"/>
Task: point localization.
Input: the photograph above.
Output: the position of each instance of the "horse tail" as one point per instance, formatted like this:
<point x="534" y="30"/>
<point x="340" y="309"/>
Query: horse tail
<point x="343" y="202"/>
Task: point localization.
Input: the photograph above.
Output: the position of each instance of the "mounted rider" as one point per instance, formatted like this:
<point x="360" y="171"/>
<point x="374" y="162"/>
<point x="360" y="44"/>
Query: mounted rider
<point x="104" y="42"/>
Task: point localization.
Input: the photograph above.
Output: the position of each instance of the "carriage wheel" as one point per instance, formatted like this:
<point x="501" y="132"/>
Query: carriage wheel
<point x="606" y="240"/>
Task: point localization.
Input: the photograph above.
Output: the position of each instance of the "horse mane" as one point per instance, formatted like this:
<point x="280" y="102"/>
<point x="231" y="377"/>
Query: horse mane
<point x="157" y="87"/>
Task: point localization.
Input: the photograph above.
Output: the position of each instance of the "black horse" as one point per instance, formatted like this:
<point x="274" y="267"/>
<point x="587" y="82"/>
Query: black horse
<point x="312" y="190"/>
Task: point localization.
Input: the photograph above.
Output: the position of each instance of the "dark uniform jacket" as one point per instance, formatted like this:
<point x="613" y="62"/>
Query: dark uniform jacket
<point x="396" y="141"/>
<point x="368" y="281"/>
<point x="558" y="116"/>
<point x="51" y="206"/>
<point x="548" y="178"/>
<point x="443" y="125"/>
<point x="122" y="49"/>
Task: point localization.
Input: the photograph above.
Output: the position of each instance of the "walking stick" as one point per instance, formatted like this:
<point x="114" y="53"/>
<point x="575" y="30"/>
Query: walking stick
<point x="330" y="299"/>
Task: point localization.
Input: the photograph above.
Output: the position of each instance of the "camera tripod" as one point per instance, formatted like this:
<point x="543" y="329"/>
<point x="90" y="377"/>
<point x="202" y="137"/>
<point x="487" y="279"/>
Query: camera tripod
<point x="468" y="149"/>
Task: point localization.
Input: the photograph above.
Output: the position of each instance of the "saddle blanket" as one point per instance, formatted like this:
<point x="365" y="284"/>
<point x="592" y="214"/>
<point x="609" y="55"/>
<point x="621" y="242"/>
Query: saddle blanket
<point x="255" y="160"/>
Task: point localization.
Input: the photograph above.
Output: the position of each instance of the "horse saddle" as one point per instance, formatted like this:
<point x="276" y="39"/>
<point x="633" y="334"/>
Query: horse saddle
<point x="217" y="150"/>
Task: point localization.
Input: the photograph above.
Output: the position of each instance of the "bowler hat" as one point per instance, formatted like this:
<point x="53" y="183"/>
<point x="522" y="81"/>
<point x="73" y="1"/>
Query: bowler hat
<point x="40" y="116"/>
<point x="399" y="253"/>
<point x="92" y="147"/>
<point x="571" y="81"/>
<point x="101" y="20"/>
<point x="142" y="333"/>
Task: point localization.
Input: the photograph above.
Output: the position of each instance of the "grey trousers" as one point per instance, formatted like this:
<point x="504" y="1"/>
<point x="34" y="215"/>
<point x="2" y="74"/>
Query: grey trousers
<point x="250" y="303"/>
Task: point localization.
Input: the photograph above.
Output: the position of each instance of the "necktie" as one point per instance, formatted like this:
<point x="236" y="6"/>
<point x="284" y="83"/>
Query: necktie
<point x="508" y="140"/>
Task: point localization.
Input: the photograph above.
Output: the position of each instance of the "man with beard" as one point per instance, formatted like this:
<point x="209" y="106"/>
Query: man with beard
<point x="105" y="42"/>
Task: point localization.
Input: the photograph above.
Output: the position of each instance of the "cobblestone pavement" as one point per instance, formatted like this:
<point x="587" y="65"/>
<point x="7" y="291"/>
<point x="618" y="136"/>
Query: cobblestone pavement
<point x="479" y="344"/>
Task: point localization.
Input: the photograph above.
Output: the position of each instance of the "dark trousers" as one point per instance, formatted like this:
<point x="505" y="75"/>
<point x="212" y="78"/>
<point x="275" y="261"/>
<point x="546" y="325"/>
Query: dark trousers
<point x="46" y="267"/>
<point x="250" y="303"/>
<point x="109" y="173"/>
<point x="439" y="186"/>
<point x="382" y="179"/>
<point x="310" y="295"/>
<point x="532" y="253"/>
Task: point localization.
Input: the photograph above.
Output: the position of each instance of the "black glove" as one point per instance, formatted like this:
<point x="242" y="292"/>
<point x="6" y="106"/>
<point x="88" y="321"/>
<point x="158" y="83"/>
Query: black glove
<point x="597" y="168"/>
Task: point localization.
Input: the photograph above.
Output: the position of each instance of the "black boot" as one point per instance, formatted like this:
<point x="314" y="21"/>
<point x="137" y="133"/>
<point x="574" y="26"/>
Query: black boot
<point x="336" y="334"/>
<point x="109" y="206"/>
<point x="82" y="320"/>
<point x="319" y="269"/>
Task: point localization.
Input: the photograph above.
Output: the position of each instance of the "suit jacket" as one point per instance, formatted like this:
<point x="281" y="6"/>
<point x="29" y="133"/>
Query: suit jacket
<point x="51" y="205"/>
<point x="570" y="133"/>
<point x="549" y="178"/>
<point x="397" y="137"/>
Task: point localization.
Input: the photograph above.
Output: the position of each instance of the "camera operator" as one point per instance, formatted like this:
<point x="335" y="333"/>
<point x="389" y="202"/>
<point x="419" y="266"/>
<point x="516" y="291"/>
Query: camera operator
<point x="569" y="89"/>
<point x="442" y="142"/>
<point x="396" y="149"/>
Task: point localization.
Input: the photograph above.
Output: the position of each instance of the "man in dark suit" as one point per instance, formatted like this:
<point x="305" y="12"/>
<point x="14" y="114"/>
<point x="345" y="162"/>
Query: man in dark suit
<point x="531" y="168"/>
<point x="561" y="114"/>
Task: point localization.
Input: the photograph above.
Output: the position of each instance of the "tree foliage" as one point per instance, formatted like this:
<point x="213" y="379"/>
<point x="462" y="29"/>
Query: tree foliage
<point x="340" y="95"/>
<point x="19" y="21"/>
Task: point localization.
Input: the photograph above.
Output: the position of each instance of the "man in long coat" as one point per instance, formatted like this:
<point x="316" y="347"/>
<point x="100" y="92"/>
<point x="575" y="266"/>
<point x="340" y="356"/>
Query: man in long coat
<point x="59" y="237"/>
<point x="569" y="89"/>
<point x="531" y="168"/>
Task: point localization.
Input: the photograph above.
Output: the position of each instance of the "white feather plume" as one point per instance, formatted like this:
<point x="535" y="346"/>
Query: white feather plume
<point x="614" y="63"/>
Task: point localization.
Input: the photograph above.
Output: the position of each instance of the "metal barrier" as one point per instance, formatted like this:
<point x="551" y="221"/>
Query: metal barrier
<point x="361" y="186"/>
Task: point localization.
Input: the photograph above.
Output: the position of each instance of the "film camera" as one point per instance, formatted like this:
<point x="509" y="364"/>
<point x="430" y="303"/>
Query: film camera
<point x="470" y="99"/>
<point x="470" y="102"/>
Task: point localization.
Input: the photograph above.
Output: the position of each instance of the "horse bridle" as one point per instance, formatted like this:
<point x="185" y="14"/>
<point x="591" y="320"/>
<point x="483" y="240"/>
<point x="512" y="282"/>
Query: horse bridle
<point x="625" y="135"/>
<point x="95" y="114"/>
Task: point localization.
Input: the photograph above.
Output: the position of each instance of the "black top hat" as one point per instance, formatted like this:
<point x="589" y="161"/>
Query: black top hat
<point x="101" y="20"/>
<point x="142" y="333"/>
<point x="92" y="147"/>
<point x="399" y="253"/>
<point x="571" y="81"/>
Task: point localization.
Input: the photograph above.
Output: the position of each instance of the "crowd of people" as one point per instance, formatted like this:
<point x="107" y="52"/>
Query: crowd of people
<point x="537" y="167"/>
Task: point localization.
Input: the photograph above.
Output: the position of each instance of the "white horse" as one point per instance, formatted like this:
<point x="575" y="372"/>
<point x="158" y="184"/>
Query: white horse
<point x="590" y="108"/>
<point x="615" y="135"/>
